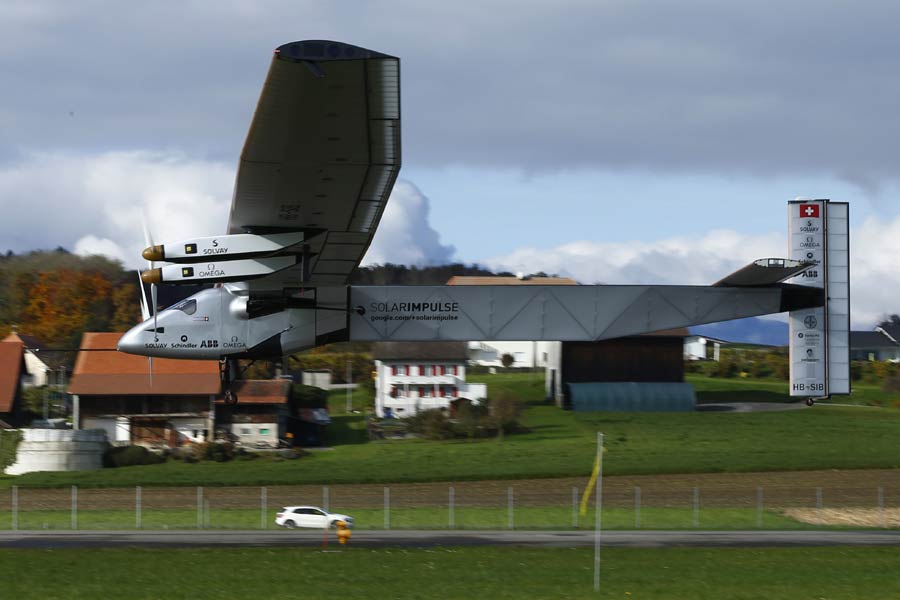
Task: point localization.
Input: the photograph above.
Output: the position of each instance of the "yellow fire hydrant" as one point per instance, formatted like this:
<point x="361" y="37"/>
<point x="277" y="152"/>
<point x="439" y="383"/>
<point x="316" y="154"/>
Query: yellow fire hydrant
<point x="343" y="532"/>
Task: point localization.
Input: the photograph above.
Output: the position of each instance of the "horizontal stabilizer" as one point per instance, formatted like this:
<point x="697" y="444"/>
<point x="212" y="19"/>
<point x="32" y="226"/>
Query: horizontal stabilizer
<point x="764" y="272"/>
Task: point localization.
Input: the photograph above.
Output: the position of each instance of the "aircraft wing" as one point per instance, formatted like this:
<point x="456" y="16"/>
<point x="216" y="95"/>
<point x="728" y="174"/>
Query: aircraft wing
<point x="321" y="156"/>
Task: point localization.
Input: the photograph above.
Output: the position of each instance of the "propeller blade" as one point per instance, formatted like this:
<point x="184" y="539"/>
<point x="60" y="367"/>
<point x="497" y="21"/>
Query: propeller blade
<point x="153" y="297"/>
<point x="145" y="309"/>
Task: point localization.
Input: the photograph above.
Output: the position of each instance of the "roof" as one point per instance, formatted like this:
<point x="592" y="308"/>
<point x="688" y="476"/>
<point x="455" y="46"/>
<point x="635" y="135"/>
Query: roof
<point x="420" y="351"/>
<point x="498" y="280"/>
<point x="253" y="391"/>
<point x="102" y="370"/>
<point x="52" y="359"/>
<point x="870" y="339"/>
<point x="10" y="373"/>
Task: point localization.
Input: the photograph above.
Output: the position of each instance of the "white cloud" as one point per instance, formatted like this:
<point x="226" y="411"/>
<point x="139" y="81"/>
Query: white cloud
<point x="91" y="245"/>
<point x="96" y="203"/>
<point x="874" y="276"/>
<point x="405" y="235"/>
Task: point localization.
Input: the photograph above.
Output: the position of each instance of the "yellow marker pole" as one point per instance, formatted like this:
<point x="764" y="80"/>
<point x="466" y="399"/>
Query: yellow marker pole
<point x="586" y="496"/>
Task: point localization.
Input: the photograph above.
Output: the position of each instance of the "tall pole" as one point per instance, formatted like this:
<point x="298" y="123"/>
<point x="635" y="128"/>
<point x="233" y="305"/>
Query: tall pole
<point x="599" y="505"/>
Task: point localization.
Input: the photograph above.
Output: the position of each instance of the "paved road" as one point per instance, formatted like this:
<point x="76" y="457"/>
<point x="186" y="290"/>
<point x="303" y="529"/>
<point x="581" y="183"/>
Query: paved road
<point x="635" y="539"/>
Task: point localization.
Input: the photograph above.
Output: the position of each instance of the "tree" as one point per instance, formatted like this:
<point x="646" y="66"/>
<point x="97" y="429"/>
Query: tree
<point x="126" y="302"/>
<point x="892" y="320"/>
<point x="507" y="360"/>
<point x="504" y="409"/>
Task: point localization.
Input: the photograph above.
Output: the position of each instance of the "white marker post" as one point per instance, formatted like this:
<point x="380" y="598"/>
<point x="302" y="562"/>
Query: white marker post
<point x="599" y="505"/>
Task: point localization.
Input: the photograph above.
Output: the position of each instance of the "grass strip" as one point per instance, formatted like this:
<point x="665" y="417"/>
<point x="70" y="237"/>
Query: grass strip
<point x="495" y="572"/>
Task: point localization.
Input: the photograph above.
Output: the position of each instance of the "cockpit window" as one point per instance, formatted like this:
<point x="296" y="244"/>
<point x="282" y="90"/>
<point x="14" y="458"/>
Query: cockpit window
<point x="188" y="306"/>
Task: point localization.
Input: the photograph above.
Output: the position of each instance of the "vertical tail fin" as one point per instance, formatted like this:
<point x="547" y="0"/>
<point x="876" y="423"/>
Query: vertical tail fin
<point x="820" y="337"/>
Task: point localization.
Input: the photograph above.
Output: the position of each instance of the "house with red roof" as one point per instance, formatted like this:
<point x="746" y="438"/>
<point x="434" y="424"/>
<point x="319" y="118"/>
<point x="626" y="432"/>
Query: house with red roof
<point x="180" y="402"/>
<point x="12" y="367"/>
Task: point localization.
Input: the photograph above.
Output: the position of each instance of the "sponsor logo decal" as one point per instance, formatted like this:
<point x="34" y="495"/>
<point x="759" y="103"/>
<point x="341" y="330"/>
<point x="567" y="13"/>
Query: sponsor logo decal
<point x="234" y="343"/>
<point x="187" y="271"/>
<point x="809" y="211"/>
<point x="190" y="248"/>
<point x="215" y="249"/>
<point x="410" y="311"/>
<point x="212" y="271"/>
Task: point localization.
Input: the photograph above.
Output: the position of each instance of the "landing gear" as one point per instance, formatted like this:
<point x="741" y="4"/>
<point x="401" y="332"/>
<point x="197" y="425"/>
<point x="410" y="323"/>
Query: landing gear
<point x="810" y="401"/>
<point x="228" y="373"/>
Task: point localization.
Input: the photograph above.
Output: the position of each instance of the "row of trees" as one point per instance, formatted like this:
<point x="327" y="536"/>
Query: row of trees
<point x="57" y="296"/>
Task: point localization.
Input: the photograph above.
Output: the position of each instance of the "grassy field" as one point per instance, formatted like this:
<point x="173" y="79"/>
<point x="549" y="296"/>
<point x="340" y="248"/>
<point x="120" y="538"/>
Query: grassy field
<point x="717" y="389"/>
<point x="506" y="572"/>
<point x="560" y="443"/>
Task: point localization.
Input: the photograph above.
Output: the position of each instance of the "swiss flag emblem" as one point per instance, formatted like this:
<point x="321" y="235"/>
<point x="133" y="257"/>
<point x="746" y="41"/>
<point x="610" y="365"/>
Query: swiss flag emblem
<point x="809" y="211"/>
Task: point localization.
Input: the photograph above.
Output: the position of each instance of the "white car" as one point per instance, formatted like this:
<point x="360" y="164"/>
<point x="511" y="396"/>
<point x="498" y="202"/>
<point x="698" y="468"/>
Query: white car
<point x="309" y="516"/>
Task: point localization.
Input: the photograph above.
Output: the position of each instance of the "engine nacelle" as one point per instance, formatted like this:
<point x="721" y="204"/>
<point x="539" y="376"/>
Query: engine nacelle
<point x="224" y="247"/>
<point x="216" y="272"/>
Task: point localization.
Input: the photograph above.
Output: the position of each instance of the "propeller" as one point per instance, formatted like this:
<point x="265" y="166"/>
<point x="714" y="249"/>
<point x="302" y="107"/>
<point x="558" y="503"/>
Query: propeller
<point x="154" y="302"/>
<point x="148" y="239"/>
<point x="145" y="314"/>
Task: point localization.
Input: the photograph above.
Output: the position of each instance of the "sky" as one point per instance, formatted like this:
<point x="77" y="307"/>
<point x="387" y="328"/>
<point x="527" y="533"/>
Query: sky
<point x="610" y="141"/>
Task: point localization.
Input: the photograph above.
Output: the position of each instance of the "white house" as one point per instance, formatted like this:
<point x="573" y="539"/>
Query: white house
<point x="36" y="370"/>
<point x="699" y="347"/>
<point x="410" y="377"/>
<point x="526" y="354"/>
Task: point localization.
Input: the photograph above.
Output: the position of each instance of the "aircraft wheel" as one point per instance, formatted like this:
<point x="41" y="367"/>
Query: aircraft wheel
<point x="230" y="397"/>
<point x="810" y="401"/>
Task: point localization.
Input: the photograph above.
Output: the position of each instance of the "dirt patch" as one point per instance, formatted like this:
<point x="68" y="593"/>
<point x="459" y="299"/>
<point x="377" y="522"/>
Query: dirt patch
<point x="848" y="517"/>
<point x="775" y="490"/>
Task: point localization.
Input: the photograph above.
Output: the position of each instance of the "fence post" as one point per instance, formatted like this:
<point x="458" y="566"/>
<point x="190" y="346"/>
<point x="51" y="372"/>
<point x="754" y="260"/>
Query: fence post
<point x="387" y="508"/>
<point x="574" y="507"/>
<point x="325" y="497"/>
<point x="452" y="497"/>
<point x="199" y="507"/>
<point x="759" y="507"/>
<point x="509" y="500"/>
<point x="208" y="522"/>
<point x="137" y="507"/>
<point x="15" y="507"/>
<point x="819" y="505"/>
<point x="637" y="507"/>
<point x="696" y="507"/>
<point x="74" y="507"/>
<point x="881" y="507"/>
<point x="263" y="507"/>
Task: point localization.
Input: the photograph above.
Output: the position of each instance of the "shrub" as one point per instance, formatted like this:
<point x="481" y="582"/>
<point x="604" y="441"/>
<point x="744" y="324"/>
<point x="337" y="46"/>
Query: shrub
<point x="307" y="396"/>
<point x="214" y="451"/>
<point x="470" y="419"/>
<point x="432" y="424"/>
<point x="9" y="444"/>
<point x="129" y="456"/>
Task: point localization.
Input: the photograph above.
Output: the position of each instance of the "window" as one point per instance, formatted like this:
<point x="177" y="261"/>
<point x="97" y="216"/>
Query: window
<point x="264" y="431"/>
<point x="244" y="431"/>
<point x="393" y="369"/>
<point x="188" y="306"/>
<point x="455" y="370"/>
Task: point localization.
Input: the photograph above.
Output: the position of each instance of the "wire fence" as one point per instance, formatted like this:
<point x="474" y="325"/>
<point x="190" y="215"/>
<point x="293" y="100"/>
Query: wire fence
<point x="531" y="504"/>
